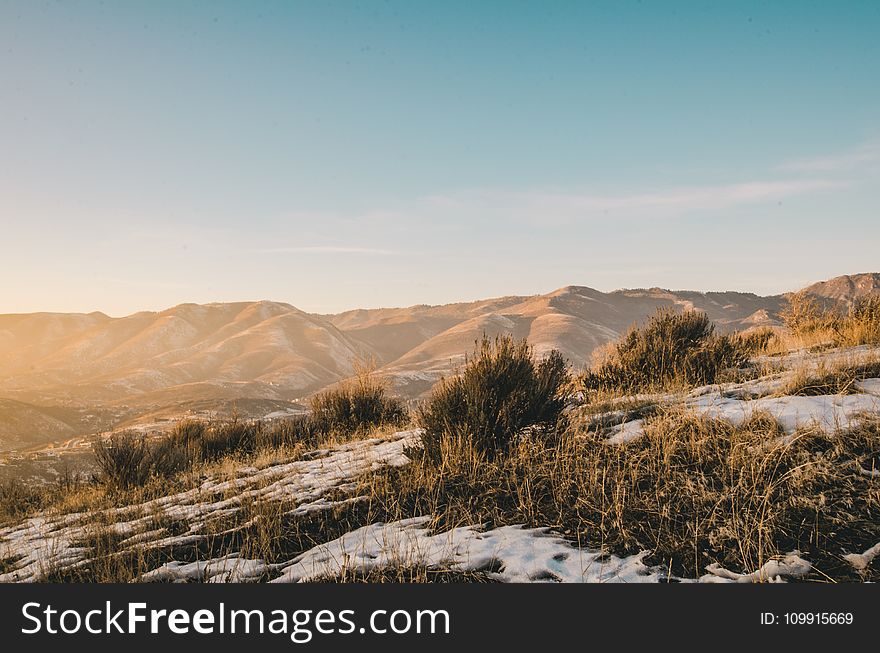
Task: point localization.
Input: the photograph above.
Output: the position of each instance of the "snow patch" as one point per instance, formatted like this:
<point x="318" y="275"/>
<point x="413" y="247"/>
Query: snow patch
<point x="508" y="554"/>
<point x="860" y="561"/>
<point x="773" y="571"/>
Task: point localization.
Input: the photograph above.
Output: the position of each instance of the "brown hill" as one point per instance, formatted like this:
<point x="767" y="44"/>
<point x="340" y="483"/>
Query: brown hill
<point x="575" y="320"/>
<point x="192" y="354"/>
<point x="263" y="347"/>
<point x="843" y="291"/>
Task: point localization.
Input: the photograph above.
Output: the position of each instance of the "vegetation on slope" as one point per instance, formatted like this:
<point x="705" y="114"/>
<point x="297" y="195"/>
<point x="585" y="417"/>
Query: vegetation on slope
<point x="502" y="390"/>
<point x="671" y="349"/>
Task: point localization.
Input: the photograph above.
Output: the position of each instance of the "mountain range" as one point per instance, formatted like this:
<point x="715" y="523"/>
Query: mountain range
<point x="64" y="373"/>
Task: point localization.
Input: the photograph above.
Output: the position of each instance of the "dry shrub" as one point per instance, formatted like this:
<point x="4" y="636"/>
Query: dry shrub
<point x="861" y="326"/>
<point x="128" y="460"/>
<point x="804" y="315"/>
<point x="124" y="460"/>
<point x="501" y="391"/>
<point x="670" y="349"/>
<point x="18" y="499"/>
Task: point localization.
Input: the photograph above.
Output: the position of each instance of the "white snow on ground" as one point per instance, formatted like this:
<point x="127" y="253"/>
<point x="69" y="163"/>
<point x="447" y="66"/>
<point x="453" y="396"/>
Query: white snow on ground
<point x="511" y="554"/>
<point x="790" y="566"/>
<point x="860" y="561"/>
<point x="627" y="432"/>
<point x="830" y="413"/>
<point x="813" y="360"/>
<point x="519" y="554"/>
<point x="50" y="543"/>
<point x="227" y="569"/>
<point x="870" y="386"/>
<point x="288" y="412"/>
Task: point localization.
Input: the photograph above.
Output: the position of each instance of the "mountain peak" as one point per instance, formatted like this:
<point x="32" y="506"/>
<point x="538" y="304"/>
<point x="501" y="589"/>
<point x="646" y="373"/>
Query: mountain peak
<point x="846" y="288"/>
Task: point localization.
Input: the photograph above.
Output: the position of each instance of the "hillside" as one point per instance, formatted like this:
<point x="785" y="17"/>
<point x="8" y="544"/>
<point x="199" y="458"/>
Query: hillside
<point x="575" y="320"/>
<point x="189" y="355"/>
<point x="261" y="349"/>
<point x="847" y="288"/>
<point x="334" y="513"/>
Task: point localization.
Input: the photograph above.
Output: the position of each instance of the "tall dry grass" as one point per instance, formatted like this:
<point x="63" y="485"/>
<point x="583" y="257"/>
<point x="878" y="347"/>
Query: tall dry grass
<point x="811" y="324"/>
<point x="358" y="404"/>
<point x="693" y="491"/>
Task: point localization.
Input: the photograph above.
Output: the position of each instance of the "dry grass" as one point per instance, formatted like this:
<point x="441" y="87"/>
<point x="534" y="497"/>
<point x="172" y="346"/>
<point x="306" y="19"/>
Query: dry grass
<point x="355" y="407"/>
<point x="693" y="491"/>
<point x="272" y="444"/>
<point x="408" y="574"/>
<point x="810" y="325"/>
<point x="358" y="404"/>
<point x="840" y="379"/>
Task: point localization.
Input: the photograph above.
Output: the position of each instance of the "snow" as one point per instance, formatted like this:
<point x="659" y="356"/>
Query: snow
<point x="829" y="413"/>
<point x="51" y="543"/>
<point x="870" y="386"/>
<point x="860" y="561"/>
<point x="627" y="432"/>
<point x="789" y="566"/>
<point x="518" y="554"/>
<point x="511" y="554"/>
<point x="227" y="569"/>
<point x="803" y="359"/>
<point x="278" y="414"/>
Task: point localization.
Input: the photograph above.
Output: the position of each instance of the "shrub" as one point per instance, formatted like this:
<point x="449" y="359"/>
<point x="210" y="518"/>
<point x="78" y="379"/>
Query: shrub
<point x="804" y="315"/>
<point x="124" y="460"/>
<point x="671" y="348"/>
<point x="289" y="432"/>
<point x="128" y="460"/>
<point x="754" y="342"/>
<point x="357" y="405"/>
<point x="501" y="391"/>
<point x="17" y="499"/>
<point x="861" y="326"/>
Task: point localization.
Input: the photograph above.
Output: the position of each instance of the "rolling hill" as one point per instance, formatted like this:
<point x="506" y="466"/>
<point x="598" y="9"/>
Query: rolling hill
<point x="194" y="355"/>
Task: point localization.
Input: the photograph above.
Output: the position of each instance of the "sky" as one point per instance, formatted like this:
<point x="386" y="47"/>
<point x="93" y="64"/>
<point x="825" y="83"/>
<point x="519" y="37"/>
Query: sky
<point x="336" y="155"/>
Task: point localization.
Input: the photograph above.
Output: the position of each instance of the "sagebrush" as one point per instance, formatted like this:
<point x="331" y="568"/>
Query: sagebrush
<point x="502" y="390"/>
<point x="671" y="349"/>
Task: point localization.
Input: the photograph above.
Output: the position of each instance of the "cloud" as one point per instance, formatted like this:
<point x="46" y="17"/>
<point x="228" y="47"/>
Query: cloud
<point x="559" y="208"/>
<point x="865" y="155"/>
<point x="461" y="214"/>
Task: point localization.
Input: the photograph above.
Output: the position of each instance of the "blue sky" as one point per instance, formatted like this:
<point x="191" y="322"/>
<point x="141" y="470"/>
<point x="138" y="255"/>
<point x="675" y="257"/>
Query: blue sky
<point x="340" y="155"/>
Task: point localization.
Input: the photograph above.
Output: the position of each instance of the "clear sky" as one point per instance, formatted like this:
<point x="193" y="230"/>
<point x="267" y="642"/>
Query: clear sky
<point x="361" y="154"/>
